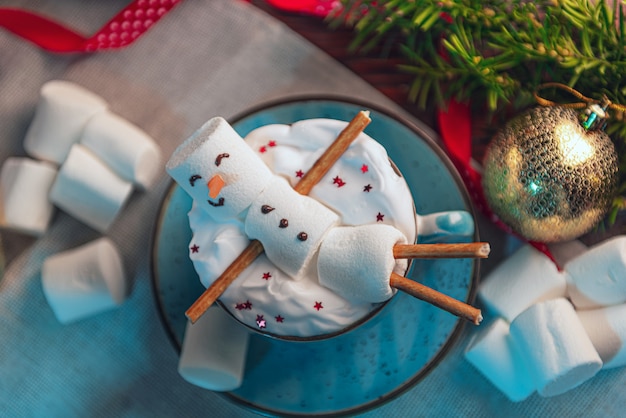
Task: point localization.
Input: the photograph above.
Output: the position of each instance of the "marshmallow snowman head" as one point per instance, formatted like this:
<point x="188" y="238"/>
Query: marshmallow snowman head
<point x="219" y="170"/>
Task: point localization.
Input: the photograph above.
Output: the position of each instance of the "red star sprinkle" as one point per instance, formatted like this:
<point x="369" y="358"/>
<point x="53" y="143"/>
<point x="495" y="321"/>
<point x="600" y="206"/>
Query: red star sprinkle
<point x="318" y="306"/>
<point x="194" y="248"/>
<point x="379" y="217"/>
<point x="279" y="318"/>
<point x="339" y="182"/>
<point x="271" y="143"/>
<point x="263" y="149"/>
<point x="299" y="174"/>
<point x="260" y="321"/>
<point x="267" y="276"/>
<point x="247" y="305"/>
<point x="240" y="306"/>
<point x="367" y="188"/>
<point x="364" y="168"/>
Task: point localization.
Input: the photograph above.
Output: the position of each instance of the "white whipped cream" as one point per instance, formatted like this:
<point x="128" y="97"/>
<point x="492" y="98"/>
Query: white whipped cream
<point x="362" y="188"/>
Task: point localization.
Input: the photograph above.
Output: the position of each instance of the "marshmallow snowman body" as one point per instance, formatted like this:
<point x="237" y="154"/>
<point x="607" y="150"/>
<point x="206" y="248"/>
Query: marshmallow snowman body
<point x="290" y="226"/>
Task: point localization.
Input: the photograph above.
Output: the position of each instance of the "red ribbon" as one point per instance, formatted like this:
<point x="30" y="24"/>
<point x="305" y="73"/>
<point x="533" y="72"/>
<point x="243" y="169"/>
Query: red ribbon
<point x="134" y="20"/>
<point x="319" y="8"/>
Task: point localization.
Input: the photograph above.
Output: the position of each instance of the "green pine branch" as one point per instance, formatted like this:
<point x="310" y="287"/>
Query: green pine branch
<point x="497" y="52"/>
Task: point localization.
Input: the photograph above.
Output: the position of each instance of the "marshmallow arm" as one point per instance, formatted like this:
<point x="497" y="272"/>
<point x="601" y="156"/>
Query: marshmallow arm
<point x="357" y="262"/>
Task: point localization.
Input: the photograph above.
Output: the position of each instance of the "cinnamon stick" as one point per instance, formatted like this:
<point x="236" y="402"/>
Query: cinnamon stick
<point x="456" y="250"/>
<point x="438" y="299"/>
<point x="304" y="186"/>
<point x="333" y="153"/>
<point x="213" y="292"/>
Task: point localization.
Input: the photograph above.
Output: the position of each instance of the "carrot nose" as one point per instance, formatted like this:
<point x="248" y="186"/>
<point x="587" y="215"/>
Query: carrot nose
<point x="215" y="185"/>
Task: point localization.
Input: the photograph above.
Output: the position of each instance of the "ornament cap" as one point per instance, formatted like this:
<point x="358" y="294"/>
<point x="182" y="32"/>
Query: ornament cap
<point x="595" y="115"/>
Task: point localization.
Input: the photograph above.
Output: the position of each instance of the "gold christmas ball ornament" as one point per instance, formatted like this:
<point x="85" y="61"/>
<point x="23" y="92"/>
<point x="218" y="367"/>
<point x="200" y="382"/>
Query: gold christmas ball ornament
<point x="549" y="177"/>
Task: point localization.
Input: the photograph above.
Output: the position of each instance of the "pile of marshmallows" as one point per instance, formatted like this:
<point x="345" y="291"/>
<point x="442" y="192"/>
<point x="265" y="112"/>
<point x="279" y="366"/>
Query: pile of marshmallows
<point x="553" y="329"/>
<point x="86" y="161"/>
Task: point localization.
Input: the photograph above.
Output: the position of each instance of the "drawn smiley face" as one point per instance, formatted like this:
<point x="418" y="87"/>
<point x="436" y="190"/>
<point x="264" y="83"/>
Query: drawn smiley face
<point x="219" y="170"/>
<point x="215" y="183"/>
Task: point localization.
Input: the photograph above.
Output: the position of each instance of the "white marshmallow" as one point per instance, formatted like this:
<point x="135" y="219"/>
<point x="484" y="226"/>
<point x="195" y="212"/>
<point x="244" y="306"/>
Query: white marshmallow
<point x="522" y="279"/>
<point x="24" y="188"/>
<point x="606" y="328"/>
<point x="214" y="352"/>
<point x="560" y="356"/>
<point x="280" y="229"/>
<point x="598" y="276"/>
<point x="87" y="189"/>
<point x="84" y="281"/>
<point x="357" y="262"/>
<point x="128" y="150"/>
<point x="61" y="115"/>
<point x="196" y="161"/>
<point x="492" y="351"/>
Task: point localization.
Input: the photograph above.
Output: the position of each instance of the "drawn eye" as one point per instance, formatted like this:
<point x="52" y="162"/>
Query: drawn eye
<point x="192" y="179"/>
<point x="266" y="209"/>
<point x="219" y="158"/>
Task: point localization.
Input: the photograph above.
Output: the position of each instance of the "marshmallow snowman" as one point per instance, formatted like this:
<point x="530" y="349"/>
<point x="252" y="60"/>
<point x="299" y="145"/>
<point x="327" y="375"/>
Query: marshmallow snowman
<point x="226" y="179"/>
